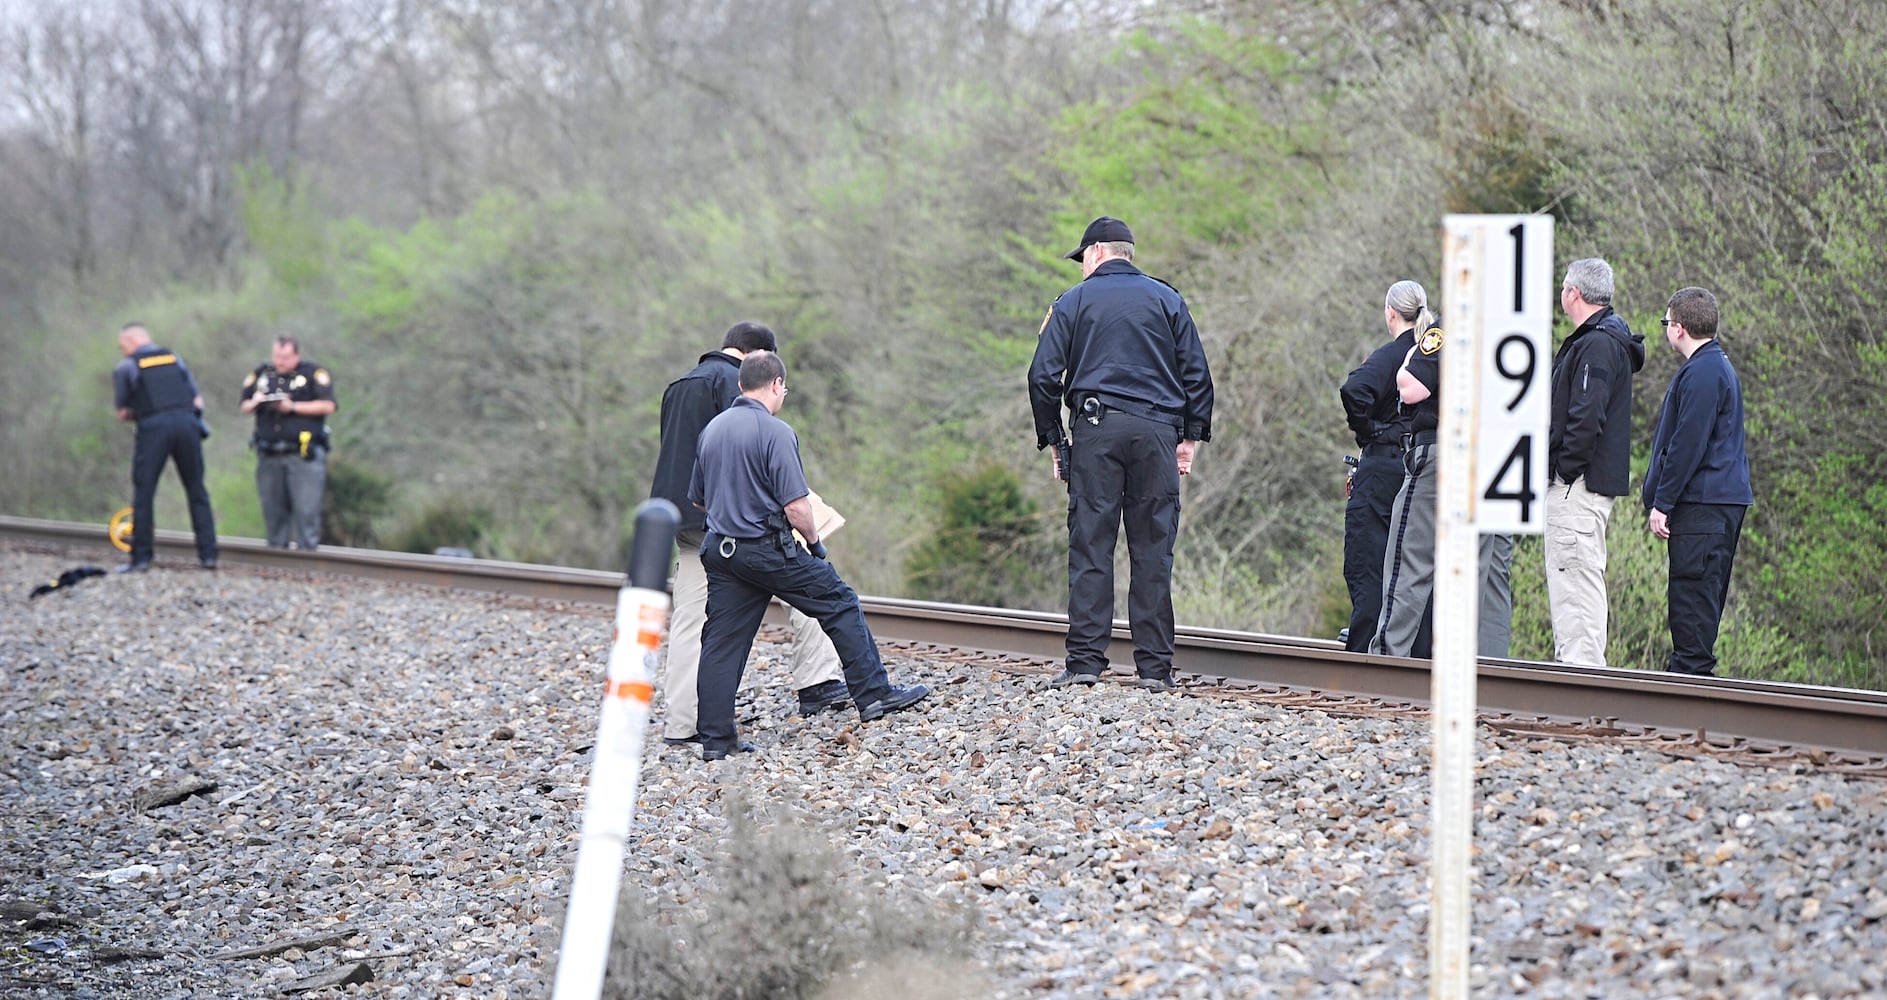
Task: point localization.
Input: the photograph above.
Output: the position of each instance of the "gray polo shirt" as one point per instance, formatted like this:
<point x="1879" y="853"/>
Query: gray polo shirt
<point x="747" y="469"/>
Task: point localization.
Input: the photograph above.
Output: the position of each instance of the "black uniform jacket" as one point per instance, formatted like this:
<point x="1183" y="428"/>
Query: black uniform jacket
<point x="308" y="382"/>
<point x="1369" y="395"/>
<point x="1129" y="339"/>
<point x="688" y="404"/>
<point x="1590" y="433"/>
<point x="1425" y="364"/>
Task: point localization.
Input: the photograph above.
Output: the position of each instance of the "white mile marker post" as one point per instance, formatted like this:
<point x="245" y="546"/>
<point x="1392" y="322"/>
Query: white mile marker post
<point x="609" y="808"/>
<point x="1497" y="318"/>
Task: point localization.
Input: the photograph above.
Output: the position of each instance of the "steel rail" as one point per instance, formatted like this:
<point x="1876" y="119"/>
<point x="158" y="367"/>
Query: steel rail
<point x="1839" y="720"/>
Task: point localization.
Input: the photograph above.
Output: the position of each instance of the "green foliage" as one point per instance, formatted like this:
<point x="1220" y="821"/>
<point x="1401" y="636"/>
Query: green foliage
<point x="1333" y="608"/>
<point x="1204" y="150"/>
<point x="1505" y="162"/>
<point x="446" y="524"/>
<point x="232" y="486"/>
<point x="987" y="547"/>
<point x="357" y="498"/>
<point x="287" y="233"/>
<point x="389" y="276"/>
<point x="1820" y="568"/>
<point x="1215" y="587"/>
<point x="783" y="920"/>
<point x="1636" y="572"/>
<point x="1531" y="634"/>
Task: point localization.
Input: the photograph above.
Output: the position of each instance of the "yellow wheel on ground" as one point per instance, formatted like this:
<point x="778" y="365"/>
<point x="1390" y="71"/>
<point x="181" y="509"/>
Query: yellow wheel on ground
<point x="120" y="530"/>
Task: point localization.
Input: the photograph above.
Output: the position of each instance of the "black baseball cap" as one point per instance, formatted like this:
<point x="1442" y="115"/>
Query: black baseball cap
<point x="1105" y="229"/>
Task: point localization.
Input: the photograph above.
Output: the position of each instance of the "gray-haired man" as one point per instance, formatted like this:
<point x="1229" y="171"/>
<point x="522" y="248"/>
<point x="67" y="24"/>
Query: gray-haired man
<point x="1588" y="456"/>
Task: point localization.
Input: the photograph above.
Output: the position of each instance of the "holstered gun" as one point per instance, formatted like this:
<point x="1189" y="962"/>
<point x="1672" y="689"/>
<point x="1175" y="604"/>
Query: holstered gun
<point x="780" y="531"/>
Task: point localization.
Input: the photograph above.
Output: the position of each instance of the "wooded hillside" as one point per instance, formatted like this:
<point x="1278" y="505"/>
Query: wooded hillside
<point x="505" y="226"/>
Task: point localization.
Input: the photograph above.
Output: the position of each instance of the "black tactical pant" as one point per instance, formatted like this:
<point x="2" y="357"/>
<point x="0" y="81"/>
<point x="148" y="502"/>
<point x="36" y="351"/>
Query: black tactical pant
<point x="1123" y="471"/>
<point x="742" y="577"/>
<point x="1365" y="538"/>
<point x="1702" y="550"/>
<point x="171" y="435"/>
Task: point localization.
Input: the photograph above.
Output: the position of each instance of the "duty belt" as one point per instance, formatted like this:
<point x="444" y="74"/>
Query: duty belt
<point x="1417" y="439"/>
<point x="726" y="545"/>
<point x="167" y="409"/>
<point x="1390" y="448"/>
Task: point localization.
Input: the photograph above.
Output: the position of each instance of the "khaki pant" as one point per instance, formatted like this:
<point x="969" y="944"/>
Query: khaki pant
<point x="1576" y="519"/>
<point x="815" y="661"/>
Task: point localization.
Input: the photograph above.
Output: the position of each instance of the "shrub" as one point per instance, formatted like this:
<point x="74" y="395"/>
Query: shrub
<point x="355" y="499"/>
<point x="449" y="524"/>
<point x="988" y="547"/>
<point x="787" y="923"/>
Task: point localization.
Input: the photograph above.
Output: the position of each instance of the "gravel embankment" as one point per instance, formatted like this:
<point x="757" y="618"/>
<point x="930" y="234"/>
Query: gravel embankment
<point x="407" y="767"/>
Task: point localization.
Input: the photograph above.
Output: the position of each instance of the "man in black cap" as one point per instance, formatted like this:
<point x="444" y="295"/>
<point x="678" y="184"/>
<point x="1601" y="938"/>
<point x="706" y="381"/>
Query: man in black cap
<point x="1121" y="351"/>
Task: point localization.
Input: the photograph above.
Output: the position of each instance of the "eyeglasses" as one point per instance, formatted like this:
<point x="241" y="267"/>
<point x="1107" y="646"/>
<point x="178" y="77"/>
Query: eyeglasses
<point x="1667" y="322"/>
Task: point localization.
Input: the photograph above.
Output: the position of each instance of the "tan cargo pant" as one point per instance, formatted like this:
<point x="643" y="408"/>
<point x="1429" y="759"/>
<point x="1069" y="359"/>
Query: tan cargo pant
<point x="1576" y="519"/>
<point x="814" y="659"/>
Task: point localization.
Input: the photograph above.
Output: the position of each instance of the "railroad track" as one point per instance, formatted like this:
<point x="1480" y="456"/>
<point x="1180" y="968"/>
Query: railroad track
<point x="1757" y="721"/>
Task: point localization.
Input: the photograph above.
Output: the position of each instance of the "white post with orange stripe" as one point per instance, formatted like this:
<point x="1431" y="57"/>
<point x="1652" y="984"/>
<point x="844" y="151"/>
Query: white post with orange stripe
<point x="609" y="809"/>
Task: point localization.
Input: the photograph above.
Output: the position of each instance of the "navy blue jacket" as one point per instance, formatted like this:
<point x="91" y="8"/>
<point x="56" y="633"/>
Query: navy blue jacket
<point x="688" y="404"/>
<point x="1698" y="456"/>
<point x="1129" y="339"/>
<point x="1590" y="431"/>
<point x="1370" y="401"/>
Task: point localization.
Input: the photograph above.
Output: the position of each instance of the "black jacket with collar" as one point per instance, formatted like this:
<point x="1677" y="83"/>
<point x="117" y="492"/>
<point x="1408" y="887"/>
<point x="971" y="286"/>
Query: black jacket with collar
<point x="688" y="404"/>
<point x="1590" y="433"/>
<point x="1370" y="403"/>
<point x="1127" y="338"/>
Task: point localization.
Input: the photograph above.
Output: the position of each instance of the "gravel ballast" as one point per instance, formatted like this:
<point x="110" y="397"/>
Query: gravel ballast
<point x="240" y="784"/>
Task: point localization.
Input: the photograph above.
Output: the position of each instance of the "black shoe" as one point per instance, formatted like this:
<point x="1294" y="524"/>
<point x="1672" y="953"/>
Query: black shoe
<point x="132" y="567"/>
<point x="1157" y="684"/>
<point x="896" y="699"/>
<point x="1068" y="677"/>
<point x="819" y="697"/>
<point x="681" y="741"/>
<point x="721" y="752"/>
<point x="209" y="564"/>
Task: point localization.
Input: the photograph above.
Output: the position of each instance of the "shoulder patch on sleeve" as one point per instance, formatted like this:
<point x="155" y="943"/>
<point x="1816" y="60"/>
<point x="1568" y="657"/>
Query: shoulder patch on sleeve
<point x="321" y="376"/>
<point x="249" y="380"/>
<point x="1044" y="327"/>
<point x="1431" y="340"/>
